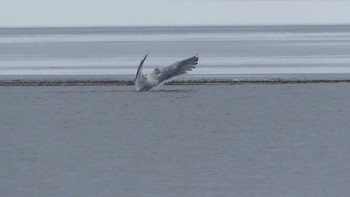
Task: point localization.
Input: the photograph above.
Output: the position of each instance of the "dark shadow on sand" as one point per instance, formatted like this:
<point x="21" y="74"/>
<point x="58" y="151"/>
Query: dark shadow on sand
<point x="117" y="90"/>
<point x="173" y="91"/>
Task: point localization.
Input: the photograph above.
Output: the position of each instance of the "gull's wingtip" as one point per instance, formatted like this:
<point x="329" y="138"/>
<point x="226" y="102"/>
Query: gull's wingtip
<point x="146" y="56"/>
<point x="197" y="57"/>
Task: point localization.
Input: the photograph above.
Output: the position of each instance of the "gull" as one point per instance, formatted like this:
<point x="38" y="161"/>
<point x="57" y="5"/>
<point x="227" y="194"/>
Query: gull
<point x="160" y="75"/>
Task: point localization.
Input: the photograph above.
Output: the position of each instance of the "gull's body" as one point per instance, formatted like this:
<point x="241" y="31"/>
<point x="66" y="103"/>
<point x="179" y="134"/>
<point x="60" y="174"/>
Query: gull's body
<point x="161" y="74"/>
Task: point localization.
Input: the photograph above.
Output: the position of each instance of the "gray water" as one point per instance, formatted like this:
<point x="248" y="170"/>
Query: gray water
<point x="246" y="140"/>
<point x="116" y="51"/>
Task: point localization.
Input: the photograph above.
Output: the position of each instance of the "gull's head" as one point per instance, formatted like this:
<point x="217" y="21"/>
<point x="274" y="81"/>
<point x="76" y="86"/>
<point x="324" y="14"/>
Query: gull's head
<point x="157" y="71"/>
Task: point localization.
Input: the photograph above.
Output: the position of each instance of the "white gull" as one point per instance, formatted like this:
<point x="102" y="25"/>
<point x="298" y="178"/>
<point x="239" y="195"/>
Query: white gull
<point x="160" y="75"/>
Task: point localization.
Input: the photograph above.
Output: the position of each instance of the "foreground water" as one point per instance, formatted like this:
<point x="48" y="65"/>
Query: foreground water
<point x="253" y="50"/>
<point x="246" y="140"/>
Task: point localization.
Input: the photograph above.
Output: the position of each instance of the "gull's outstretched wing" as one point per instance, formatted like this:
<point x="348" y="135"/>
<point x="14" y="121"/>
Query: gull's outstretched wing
<point x="140" y="79"/>
<point x="139" y="69"/>
<point x="177" y="68"/>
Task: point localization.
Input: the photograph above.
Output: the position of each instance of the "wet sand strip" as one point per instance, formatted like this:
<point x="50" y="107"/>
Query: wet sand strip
<point x="177" y="82"/>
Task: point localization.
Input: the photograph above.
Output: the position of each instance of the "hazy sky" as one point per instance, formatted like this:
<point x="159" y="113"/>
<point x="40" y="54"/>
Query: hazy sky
<point x="170" y="12"/>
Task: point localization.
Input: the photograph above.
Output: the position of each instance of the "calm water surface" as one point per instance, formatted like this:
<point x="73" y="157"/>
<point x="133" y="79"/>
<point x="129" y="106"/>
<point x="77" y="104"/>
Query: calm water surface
<point x="223" y="50"/>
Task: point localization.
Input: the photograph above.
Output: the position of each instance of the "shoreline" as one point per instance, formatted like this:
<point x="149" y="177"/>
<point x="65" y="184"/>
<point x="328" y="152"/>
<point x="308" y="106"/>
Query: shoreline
<point x="112" y="28"/>
<point x="77" y="82"/>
